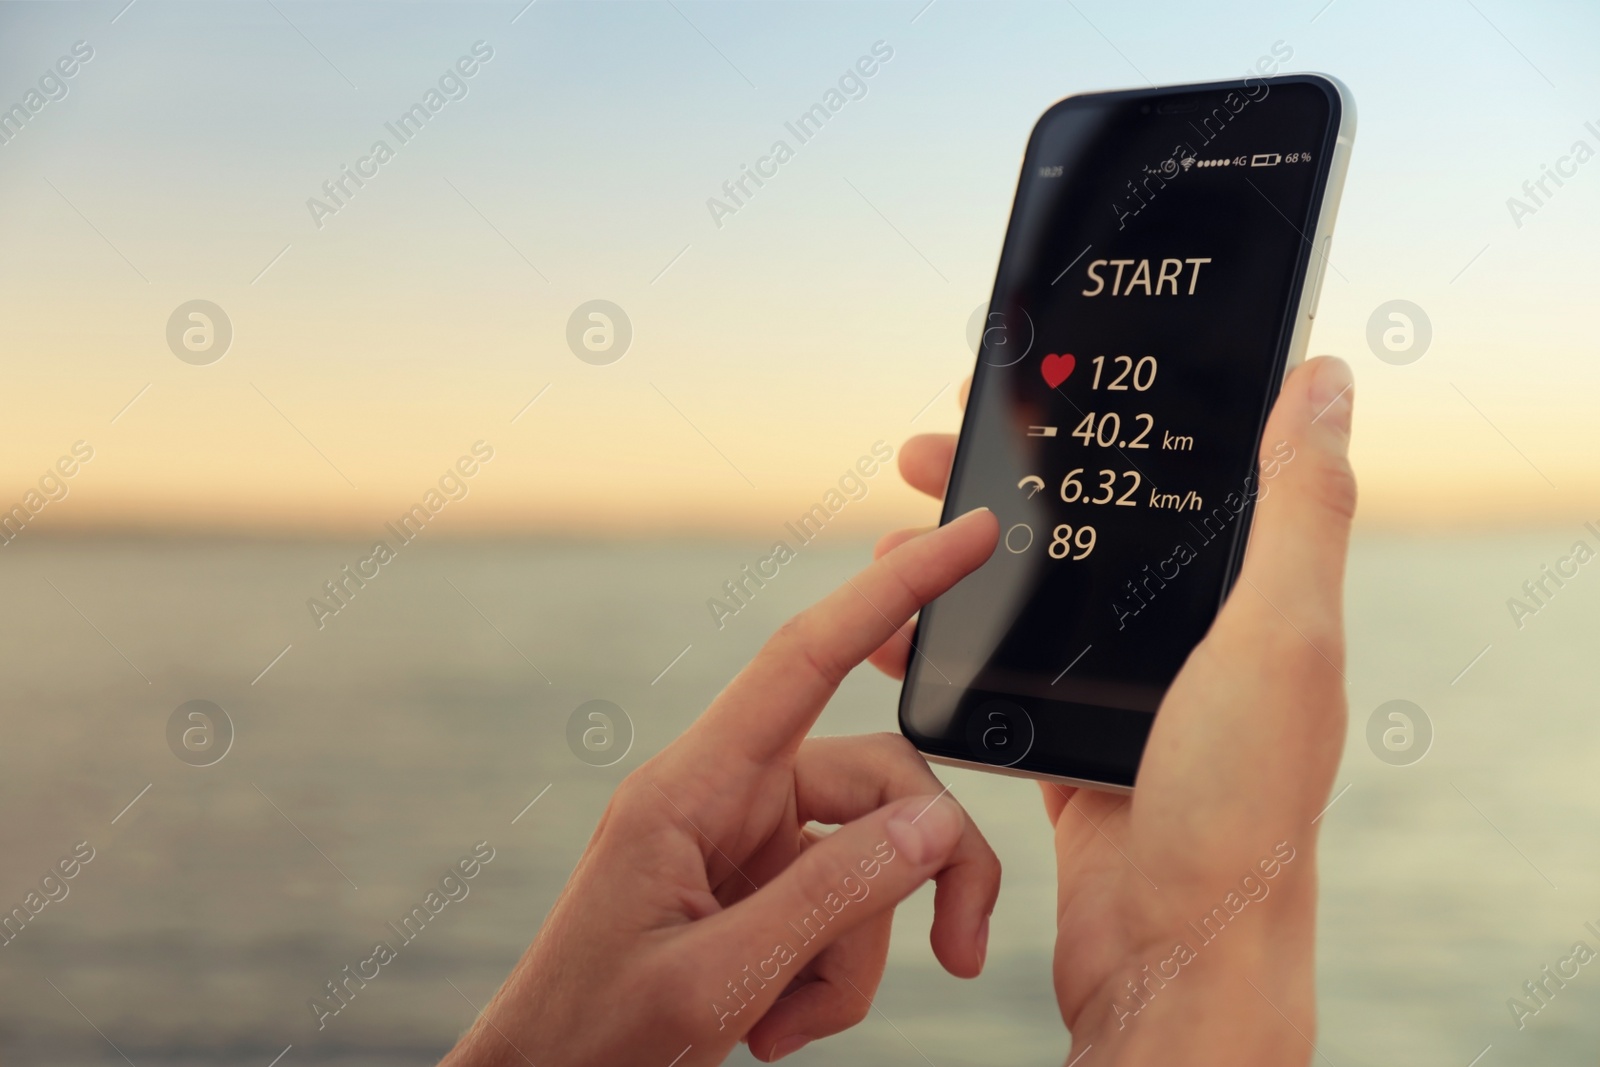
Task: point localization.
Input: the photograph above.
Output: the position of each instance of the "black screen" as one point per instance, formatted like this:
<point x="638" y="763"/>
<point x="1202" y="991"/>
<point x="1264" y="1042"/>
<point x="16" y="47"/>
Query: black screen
<point x="1137" y="334"/>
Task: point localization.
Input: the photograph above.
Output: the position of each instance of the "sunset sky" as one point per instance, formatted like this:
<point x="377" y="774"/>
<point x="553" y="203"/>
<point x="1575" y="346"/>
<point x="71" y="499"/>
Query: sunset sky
<point x="769" y="352"/>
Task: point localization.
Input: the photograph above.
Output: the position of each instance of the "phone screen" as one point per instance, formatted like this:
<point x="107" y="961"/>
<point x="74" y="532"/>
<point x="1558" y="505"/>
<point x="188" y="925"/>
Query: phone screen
<point x="1137" y="334"/>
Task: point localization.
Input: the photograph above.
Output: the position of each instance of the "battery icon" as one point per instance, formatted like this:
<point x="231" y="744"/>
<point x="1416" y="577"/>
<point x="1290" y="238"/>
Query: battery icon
<point x="1266" y="159"/>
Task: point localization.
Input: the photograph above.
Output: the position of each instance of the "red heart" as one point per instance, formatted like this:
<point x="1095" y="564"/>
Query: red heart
<point x="1057" y="368"/>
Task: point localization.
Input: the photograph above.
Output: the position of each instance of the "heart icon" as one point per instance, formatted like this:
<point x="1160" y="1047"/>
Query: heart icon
<point x="1057" y="368"/>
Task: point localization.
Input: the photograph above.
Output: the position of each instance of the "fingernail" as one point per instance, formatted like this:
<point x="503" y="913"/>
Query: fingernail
<point x="983" y="941"/>
<point x="968" y="515"/>
<point x="926" y="828"/>
<point x="790" y="1044"/>
<point x="1332" y="397"/>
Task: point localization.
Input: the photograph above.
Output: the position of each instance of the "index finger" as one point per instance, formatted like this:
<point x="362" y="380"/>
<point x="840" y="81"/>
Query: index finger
<point x="773" y="702"/>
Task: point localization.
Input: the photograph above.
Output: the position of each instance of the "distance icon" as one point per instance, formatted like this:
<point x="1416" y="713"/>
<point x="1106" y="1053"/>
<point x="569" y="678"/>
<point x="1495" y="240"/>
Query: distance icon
<point x="1033" y="483"/>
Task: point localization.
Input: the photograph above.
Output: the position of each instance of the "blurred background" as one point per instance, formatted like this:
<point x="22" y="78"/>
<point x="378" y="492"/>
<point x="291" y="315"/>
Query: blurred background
<point x="231" y="366"/>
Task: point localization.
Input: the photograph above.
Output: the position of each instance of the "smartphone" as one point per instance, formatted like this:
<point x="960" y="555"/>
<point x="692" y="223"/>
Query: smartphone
<point x="1158" y="279"/>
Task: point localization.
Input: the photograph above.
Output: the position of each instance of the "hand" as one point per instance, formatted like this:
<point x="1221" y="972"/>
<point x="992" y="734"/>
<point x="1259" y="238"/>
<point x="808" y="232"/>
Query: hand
<point x="1186" y="912"/>
<point x="704" y="895"/>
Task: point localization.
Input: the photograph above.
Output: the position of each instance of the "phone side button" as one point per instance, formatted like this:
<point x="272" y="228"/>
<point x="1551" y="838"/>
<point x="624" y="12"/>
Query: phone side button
<point x="1322" y="272"/>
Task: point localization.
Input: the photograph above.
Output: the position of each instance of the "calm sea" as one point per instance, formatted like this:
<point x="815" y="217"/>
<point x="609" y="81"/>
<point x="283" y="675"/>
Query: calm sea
<point x="429" y="712"/>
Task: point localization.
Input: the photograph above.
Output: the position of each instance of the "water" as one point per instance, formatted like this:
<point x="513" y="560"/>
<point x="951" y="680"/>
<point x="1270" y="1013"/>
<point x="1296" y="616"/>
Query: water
<point x="413" y="727"/>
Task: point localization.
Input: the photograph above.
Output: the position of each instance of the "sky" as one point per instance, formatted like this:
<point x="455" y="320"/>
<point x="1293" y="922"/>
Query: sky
<point x="378" y="338"/>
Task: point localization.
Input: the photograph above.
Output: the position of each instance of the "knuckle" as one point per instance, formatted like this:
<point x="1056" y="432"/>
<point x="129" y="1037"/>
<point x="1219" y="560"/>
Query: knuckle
<point x="818" y="873"/>
<point x="907" y="583"/>
<point x="639" y="802"/>
<point x="630" y="792"/>
<point x="796" y="641"/>
<point x="989" y="862"/>
<point x="623" y="815"/>
<point x="1335" y="488"/>
<point x="894" y="748"/>
<point x="854" y="1010"/>
<point x="898" y="766"/>
<point x="894" y="765"/>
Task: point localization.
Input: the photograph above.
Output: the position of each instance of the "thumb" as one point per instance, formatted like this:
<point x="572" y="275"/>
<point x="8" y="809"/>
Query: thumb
<point x="1307" y="497"/>
<point x="861" y="870"/>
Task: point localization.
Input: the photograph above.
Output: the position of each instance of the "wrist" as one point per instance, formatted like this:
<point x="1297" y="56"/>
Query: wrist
<point x="1229" y="991"/>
